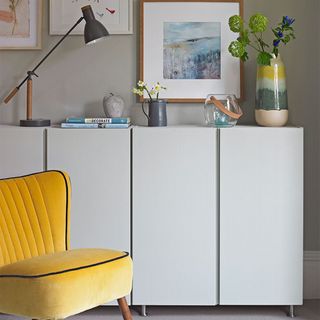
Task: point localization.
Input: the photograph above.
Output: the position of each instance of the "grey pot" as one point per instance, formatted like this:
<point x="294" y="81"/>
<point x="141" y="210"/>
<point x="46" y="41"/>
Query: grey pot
<point x="157" y="116"/>
<point x="113" y="106"/>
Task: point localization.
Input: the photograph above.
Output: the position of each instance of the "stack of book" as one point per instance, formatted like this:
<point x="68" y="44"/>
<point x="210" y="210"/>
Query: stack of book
<point x="92" y="123"/>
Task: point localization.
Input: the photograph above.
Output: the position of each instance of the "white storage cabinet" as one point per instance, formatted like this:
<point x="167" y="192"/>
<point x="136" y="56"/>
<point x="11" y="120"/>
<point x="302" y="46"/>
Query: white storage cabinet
<point x="98" y="162"/>
<point x="261" y="216"/>
<point x="175" y="230"/>
<point x="217" y="215"/>
<point x="22" y="150"/>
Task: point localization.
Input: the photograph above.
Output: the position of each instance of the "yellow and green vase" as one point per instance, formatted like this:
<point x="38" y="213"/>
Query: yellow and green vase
<point x="271" y="94"/>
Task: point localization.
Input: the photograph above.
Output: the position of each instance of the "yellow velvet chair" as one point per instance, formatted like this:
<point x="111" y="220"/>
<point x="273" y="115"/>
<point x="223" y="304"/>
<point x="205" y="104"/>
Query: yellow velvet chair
<point x="40" y="278"/>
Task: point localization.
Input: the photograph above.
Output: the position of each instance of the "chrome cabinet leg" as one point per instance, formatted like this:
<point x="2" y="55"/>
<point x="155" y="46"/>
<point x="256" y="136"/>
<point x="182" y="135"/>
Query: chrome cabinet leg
<point x="291" y="312"/>
<point x="143" y="312"/>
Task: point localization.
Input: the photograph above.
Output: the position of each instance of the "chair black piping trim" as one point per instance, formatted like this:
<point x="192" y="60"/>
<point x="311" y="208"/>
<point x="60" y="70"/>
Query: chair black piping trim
<point x="126" y="254"/>
<point x="67" y="203"/>
<point x="67" y="193"/>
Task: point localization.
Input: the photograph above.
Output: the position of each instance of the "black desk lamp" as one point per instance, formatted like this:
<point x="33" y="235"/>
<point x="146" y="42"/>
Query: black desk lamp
<point x="93" y="31"/>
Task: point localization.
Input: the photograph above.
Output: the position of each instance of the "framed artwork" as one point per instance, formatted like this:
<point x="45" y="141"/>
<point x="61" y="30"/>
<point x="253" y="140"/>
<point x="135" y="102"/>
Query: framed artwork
<point x="20" y="24"/>
<point x="115" y="15"/>
<point x="184" y="46"/>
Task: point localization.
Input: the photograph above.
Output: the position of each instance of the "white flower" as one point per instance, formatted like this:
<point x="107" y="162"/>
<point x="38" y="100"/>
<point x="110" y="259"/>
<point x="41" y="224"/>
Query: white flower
<point x="141" y="84"/>
<point x="137" y="91"/>
<point x="157" y="87"/>
<point x="152" y="92"/>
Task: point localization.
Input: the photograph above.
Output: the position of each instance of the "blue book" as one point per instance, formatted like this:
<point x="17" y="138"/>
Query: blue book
<point x="95" y="125"/>
<point x="98" y="120"/>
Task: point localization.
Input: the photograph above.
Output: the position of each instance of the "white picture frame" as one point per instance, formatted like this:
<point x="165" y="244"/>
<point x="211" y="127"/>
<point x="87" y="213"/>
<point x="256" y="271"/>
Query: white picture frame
<point x="115" y="15"/>
<point x="155" y="17"/>
<point x="27" y="36"/>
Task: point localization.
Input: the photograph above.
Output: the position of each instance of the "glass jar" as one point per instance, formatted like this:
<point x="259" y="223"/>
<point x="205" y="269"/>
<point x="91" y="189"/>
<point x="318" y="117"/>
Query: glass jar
<point x="222" y="110"/>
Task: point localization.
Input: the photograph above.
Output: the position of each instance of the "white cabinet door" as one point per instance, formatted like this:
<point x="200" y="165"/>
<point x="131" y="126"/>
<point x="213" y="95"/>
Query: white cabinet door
<point x="261" y="216"/>
<point x="174" y="216"/>
<point x="22" y="151"/>
<point x="98" y="162"/>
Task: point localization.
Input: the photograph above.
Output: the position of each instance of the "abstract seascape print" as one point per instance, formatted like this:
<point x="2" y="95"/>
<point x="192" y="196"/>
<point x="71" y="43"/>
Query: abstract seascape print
<point x="192" y="50"/>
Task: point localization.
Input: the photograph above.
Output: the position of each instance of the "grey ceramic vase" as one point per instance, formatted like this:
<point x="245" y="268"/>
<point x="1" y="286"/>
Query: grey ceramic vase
<point x="157" y="116"/>
<point x="113" y="106"/>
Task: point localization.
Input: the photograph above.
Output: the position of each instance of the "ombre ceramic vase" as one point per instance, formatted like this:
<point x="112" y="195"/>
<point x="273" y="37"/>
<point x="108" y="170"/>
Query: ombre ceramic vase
<point x="271" y="94"/>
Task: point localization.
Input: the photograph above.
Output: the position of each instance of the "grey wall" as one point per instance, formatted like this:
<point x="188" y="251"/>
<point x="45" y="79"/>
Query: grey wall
<point x="75" y="78"/>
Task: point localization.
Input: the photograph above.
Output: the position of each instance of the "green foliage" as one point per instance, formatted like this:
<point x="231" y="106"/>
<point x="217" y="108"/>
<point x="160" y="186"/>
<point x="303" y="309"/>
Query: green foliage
<point x="283" y="33"/>
<point x="264" y="58"/>
<point x="244" y="37"/>
<point x="236" y="23"/>
<point x="253" y="36"/>
<point x="236" y="48"/>
<point x="258" y="23"/>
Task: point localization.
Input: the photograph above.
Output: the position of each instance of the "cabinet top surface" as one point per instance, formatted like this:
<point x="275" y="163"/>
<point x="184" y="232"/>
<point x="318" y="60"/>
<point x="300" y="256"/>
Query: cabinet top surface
<point x="135" y="127"/>
<point x="238" y="127"/>
<point x="13" y="127"/>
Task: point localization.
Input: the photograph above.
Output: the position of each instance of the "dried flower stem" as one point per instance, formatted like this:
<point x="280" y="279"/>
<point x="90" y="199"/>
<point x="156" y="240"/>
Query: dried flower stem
<point x="13" y="5"/>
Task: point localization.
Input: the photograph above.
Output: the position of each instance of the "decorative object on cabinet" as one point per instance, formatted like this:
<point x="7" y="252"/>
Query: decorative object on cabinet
<point x="118" y="18"/>
<point x="114" y="120"/>
<point x="271" y="94"/>
<point x="222" y="111"/>
<point x="157" y="116"/>
<point x="96" y="123"/>
<point x="48" y="271"/>
<point x="271" y="91"/>
<point x="20" y="24"/>
<point x="113" y="105"/>
<point x="93" y="31"/>
<point x="183" y="43"/>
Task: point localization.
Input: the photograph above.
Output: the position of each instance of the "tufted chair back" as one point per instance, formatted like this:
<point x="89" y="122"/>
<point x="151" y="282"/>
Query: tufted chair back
<point x="34" y="216"/>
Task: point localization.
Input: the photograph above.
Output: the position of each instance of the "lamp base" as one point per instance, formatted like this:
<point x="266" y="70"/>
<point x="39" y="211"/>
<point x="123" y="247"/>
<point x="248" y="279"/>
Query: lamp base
<point x="35" y="123"/>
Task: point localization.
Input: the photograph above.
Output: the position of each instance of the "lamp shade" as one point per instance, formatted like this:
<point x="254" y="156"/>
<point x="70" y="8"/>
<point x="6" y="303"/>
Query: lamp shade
<point x="93" y="30"/>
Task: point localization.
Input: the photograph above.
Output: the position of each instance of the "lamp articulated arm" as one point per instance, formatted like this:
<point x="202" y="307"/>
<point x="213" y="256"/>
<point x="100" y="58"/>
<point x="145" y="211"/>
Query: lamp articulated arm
<point x="32" y="72"/>
<point x="93" y="31"/>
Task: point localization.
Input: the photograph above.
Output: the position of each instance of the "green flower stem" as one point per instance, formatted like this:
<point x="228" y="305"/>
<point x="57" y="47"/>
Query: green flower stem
<point x="259" y="42"/>
<point x="145" y="88"/>
<point x="252" y="46"/>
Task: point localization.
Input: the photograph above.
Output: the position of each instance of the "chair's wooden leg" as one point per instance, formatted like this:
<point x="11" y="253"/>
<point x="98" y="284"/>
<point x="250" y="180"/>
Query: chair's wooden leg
<point x="126" y="313"/>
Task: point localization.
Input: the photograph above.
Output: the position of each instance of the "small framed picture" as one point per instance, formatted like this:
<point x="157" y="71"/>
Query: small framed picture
<point x="115" y="15"/>
<point x="184" y="46"/>
<point x="20" y="24"/>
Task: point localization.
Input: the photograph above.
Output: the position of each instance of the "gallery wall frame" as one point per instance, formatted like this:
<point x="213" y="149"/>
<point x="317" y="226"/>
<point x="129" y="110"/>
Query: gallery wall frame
<point x="184" y="46"/>
<point x="115" y="15"/>
<point x="20" y="24"/>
